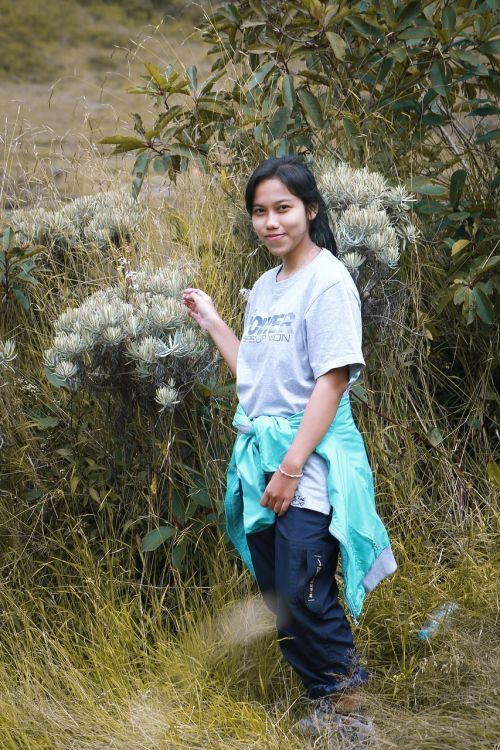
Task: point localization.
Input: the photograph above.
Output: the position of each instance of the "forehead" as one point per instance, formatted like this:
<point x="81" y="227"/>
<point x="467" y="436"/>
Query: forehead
<point x="272" y="191"/>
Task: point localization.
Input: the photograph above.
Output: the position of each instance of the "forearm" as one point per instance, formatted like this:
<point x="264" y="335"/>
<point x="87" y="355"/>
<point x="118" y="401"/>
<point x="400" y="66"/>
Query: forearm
<point x="226" y="342"/>
<point x="318" y="416"/>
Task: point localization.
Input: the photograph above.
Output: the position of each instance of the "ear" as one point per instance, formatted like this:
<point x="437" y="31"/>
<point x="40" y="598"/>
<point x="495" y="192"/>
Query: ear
<point x="312" y="212"/>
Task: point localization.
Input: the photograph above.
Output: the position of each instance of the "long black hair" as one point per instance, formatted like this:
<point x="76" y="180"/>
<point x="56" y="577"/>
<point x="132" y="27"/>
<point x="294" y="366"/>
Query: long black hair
<point x="298" y="178"/>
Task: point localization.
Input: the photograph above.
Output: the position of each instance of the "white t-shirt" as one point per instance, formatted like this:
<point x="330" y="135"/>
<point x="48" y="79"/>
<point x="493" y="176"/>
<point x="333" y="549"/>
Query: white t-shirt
<point x="294" y="331"/>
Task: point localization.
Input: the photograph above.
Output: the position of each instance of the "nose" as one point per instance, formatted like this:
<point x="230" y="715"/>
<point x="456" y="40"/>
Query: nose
<point x="272" y="220"/>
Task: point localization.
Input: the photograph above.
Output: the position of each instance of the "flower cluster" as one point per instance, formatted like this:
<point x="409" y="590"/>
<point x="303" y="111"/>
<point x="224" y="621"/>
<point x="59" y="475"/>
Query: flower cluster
<point x="94" y="219"/>
<point x="137" y="336"/>
<point x="8" y="352"/>
<point x="370" y="219"/>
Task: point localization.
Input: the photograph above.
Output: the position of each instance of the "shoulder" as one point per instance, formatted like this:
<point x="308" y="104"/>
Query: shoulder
<point x="331" y="270"/>
<point x="266" y="278"/>
<point x="331" y="277"/>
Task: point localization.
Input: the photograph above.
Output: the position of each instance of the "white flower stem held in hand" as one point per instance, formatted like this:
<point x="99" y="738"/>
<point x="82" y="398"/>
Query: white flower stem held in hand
<point x="202" y="311"/>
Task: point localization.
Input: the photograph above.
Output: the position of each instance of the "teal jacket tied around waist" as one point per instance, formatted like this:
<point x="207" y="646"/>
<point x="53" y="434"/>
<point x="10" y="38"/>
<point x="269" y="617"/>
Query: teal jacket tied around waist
<point x="261" y="445"/>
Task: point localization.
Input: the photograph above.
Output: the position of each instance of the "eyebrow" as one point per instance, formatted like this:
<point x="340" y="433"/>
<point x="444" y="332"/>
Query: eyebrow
<point x="280" y="200"/>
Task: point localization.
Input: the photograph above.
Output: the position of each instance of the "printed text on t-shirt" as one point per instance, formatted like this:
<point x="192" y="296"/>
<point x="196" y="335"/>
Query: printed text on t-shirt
<point x="271" y="328"/>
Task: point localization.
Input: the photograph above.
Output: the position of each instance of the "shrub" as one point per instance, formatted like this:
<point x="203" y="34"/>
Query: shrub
<point x="134" y="339"/>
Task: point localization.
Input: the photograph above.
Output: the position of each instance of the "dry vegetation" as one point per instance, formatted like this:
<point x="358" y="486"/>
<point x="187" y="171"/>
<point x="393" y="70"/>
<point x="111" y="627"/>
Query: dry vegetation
<point x="103" y="647"/>
<point x="63" y="87"/>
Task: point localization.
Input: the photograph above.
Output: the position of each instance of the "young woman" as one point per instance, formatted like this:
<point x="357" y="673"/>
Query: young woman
<point x="299" y="485"/>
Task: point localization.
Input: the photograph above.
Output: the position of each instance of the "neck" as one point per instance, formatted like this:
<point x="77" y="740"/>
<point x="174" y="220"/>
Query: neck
<point x="301" y="257"/>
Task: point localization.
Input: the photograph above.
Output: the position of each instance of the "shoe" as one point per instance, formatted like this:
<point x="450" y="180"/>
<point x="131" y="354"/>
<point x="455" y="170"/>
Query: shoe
<point x="330" y="716"/>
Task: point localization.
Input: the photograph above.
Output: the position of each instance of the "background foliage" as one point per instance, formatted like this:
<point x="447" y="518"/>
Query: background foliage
<point x="114" y="569"/>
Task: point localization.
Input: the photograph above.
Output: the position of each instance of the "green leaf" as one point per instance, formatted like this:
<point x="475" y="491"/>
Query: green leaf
<point x="408" y="12"/>
<point x="260" y="74"/>
<point x="139" y="171"/>
<point x="492" y="135"/>
<point x="432" y="119"/>
<point x="288" y="92"/>
<point x="404" y="105"/>
<point x="155" y="74"/>
<point x="364" y="28"/>
<point x="428" y="207"/>
<point x="161" y="164"/>
<point x="158" y="536"/>
<point x="201" y="497"/>
<point x="457" y="183"/>
<point x="21" y="298"/>
<point x="458" y="246"/>
<point x="7" y="237"/>
<point x="449" y="19"/>
<point x="470" y="57"/>
<point x="179" y="149"/>
<point x="416" y="33"/>
<point x="487" y="109"/>
<point x="179" y="553"/>
<point x="279" y="121"/>
<point x="337" y="44"/>
<point x="352" y="133"/>
<point x="44" y="423"/>
<point x="53" y="379"/>
<point x="312" y="107"/>
<point x="123" y="140"/>
<point x="424" y="186"/>
<point x="387" y="8"/>
<point x="434" y="436"/>
<point x="493" y="470"/>
<point x="439" y="79"/>
<point x="491" y="48"/>
<point x="484" y="307"/>
<point x="192" y="74"/>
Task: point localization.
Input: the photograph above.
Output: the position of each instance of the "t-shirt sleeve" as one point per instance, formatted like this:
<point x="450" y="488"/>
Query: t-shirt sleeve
<point x="334" y="332"/>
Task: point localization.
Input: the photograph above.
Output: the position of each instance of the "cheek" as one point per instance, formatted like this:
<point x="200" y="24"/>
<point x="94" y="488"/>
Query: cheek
<point x="257" y="223"/>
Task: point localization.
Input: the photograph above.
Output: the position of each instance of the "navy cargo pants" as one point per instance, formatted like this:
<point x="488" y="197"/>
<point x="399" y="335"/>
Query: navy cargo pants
<point x="295" y="562"/>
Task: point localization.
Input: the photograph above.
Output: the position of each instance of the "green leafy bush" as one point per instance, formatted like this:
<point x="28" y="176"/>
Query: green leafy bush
<point x="406" y="88"/>
<point x="16" y="264"/>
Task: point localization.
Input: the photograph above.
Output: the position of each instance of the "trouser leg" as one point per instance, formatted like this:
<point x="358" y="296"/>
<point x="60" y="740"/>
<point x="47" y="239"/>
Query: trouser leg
<point x="295" y="562"/>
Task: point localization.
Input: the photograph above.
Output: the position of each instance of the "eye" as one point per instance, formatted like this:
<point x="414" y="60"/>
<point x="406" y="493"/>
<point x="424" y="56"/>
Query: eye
<point x="257" y="210"/>
<point x="283" y="206"/>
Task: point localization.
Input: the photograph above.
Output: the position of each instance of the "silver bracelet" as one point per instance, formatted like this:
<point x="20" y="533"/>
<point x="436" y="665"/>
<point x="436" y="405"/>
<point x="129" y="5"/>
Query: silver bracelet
<point x="292" y="476"/>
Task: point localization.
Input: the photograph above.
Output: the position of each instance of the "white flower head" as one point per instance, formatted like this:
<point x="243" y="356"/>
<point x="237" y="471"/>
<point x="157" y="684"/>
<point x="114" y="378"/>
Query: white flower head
<point x="187" y="343"/>
<point x="353" y="261"/>
<point x="397" y="200"/>
<point x="343" y="186"/>
<point x="65" y="370"/>
<point x="70" y="344"/>
<point x="113" y="335"/>
<point x="51" y="358"/>
<point x="407" y="231"/>
<point x="167" y="396"/>
<point x="167" y="312"/>
<point x="8" y="352"/>
<point x="357" y="224"/>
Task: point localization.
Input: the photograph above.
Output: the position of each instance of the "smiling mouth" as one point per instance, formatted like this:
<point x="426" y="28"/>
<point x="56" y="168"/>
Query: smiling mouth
<point x="274" y="236"/>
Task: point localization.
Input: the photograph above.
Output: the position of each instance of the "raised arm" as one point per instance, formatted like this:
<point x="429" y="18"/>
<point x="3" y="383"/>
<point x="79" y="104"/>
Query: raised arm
<point x="202" y="310"/>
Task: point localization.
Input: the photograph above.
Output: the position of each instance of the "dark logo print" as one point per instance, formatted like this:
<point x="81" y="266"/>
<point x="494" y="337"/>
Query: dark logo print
<point x="271" y="328"/>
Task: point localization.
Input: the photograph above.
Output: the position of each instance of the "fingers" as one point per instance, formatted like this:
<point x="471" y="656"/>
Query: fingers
<point x="193" y="293"/>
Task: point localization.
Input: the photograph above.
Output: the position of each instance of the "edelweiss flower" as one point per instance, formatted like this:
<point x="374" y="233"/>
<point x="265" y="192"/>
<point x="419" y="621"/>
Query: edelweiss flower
<point x="65" y="370"/>
<point x="353" y="261"/>
<point x="7" y="352"/>
<point x="167" y="396"/>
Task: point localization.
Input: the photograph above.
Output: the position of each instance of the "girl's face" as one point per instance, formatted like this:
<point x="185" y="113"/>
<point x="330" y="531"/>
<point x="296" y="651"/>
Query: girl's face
<point x="280" y="219"/>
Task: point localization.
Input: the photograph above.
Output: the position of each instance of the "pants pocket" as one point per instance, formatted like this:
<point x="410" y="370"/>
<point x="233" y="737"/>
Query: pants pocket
<point x="317" y="584"/>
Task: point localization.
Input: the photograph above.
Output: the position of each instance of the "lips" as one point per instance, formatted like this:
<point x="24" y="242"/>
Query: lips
<point x="274" y="236"/>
